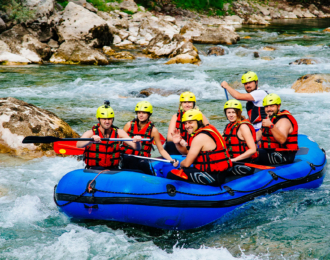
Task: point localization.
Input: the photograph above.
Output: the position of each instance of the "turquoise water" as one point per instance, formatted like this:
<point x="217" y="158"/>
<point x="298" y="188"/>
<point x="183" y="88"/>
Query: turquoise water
<point x="286" y="225"/>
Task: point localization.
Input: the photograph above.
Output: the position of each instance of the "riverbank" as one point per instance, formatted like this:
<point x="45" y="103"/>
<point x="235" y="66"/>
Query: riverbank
<point x="81" y="34"/>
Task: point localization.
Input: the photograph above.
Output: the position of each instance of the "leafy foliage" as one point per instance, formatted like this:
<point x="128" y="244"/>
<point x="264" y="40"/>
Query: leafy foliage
<point x="16" y="10"/>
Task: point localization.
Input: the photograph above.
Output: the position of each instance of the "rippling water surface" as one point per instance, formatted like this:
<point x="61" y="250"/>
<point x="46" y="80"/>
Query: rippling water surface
<point x="286" y="225"/>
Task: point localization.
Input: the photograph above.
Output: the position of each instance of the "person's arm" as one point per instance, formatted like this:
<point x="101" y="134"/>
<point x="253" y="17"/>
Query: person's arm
<point x="235" y="94"/>
<point x="196" y="147"/>
<point x="163" y="153"/>
<point x="205" y="120"/>
<point x="176" y="137"/>
<point x="127" y="126"/>
<point x="281" y="129"/>
<point x="171" y="128"/>
<point x="259" y="135"/>
<point x="88" y="134"/>
<point x="245" y="131"/>
<point x="135" y="144"/>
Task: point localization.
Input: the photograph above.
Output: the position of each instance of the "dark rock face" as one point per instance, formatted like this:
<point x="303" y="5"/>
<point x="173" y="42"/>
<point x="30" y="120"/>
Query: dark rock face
<point x="216" y="51"/>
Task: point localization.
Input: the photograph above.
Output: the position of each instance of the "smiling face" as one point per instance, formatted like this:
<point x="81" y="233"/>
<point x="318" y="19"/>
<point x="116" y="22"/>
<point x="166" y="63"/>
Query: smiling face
<point x="142" y="116"/>
<point x="231" y="115"/>
<point x="250" y="86"/>
<point x="191" y="126"/>
<point x="272" y="110"/>
<point x="105" y="123"/>
<point x="186" y="105"/>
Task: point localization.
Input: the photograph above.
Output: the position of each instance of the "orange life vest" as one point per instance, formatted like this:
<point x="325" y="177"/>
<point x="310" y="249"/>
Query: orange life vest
<point x="235" y="145"/>
<point x="145" y="132"/>
<point x="106" y="153"/>
<point x="212" y="161"/>
<point x="268" y="140"/>
<point x="180" y="125"/>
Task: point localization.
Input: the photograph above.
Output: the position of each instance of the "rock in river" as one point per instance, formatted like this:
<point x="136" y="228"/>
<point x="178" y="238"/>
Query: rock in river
<point x="312" y="83"/>
<point x="19" y="119"/>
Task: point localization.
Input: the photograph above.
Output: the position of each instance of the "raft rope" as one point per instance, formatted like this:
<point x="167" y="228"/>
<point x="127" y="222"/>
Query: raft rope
<point x="229" y="190"/>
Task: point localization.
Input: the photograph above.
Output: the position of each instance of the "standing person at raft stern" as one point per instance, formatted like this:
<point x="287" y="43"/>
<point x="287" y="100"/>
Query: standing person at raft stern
<point x="187" y="101"/>
<point x="279" y="130"/>
<point x="206" y="150"/>
<point x="105" y="154"/>
<point x="254" y="97"/>
<point x="240" y="138"/>
<point x="142" y="126"/>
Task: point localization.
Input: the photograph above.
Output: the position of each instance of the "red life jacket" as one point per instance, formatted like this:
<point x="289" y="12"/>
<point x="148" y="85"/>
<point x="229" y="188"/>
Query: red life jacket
<point x="256" y="114"/>
<point x="268" y="140"/>
<point x="235" y="145"/>
<point x="106" y="153"/>
<point x="212" y="161"/>
<point x="180" y="125"/>
<point x="145" y="132"/>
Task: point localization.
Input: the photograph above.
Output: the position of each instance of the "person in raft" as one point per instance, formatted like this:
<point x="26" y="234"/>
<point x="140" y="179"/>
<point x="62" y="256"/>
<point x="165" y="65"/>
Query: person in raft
<point x="187" y="101"/>
<point x="254" y="98"/>
<point x="206" y="150"/>
<point x="240" y="138"/>
<point x="105" y="154"/>
<point x="142" y="126"/>
<point x="278" y="135"/>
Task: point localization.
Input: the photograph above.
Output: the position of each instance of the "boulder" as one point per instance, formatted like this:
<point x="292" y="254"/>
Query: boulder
<point x="325" y="9"/>
<point x="162" y="92"/>
<point x="4" y="47"/>
<point x="43" y="31"/>
<point x="7" y="58"/>
<point x="256" y="54"/>
<point x="108" y="50"/>
<point x="307" y="14"/>
<point x="163" y="45"/>
<point x="218" y="35"/>
<point x="153" y="26"/>
<point x="298" y="12"/>
<point x="53" y="44"/>
<point x="275" y="14"/>
<point x="190" y="29"/>
<point x="268" y="48"/>
<point x="19" y="119"/>
<point x="233" y="19"/>
<point x="78" y="52"/>
<point x="312" y="8"/>
<point x="40" y="7"/>
<point x="124" y="55"/>
<point x="187" y="53"/>
<point x="304" y="62"/>
<point x="128" y="5"/>
<point x="312" y="83"/>
<point x="216" y="51"/>
<point x="256" y="19"/>
<point x="77" y="23"/>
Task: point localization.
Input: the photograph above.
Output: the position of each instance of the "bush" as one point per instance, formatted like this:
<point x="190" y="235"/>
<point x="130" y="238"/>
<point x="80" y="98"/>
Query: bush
<point x="16" y="11"/>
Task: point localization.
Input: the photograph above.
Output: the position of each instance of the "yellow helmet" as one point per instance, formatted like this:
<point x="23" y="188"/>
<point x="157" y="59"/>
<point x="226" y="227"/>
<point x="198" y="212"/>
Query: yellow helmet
<point x="187" y="97"/>
<point x="192" y="114"/>
<point x="249" y="76"/>
<point x="271" y="99"/>
<point x="105" y="112"/>
<point x="233" y="103"/>
<point x="144" y="106"/>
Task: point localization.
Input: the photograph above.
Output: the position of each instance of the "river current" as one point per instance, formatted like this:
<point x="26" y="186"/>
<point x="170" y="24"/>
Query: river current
<point x="285" y="225"/>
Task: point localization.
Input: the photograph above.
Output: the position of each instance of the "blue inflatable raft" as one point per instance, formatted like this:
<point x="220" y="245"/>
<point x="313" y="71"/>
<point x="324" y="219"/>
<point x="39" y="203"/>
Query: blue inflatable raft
<point x="134" y="197"/>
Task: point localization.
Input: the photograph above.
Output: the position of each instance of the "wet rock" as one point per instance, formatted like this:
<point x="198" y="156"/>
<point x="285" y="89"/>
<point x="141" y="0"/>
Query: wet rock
<point x="216" y="51"/>
<point x="312" y="83"/>
<point x="162" y="92"/>
<point x="4" y="47"/>
<point x="256" y="54"/>
<point x="268" y="48"/>
<point x="108" y="50"/>
<point x="187" y="53"/>
<point x="247" y="37"/>
<point x="40" y="7"/>
<point x="78" y="52"/>
<point x="2" y="26"/>
<point x="267" y="58"/>
<point x="219" y="35"/>
<point x="7" y="58"/>
<point x="304" y="62"/>
<point x="19" y="119"/>
<point x="128" y="5"/>
<point x="124" y="55"/>
<point x="77" y="23"/>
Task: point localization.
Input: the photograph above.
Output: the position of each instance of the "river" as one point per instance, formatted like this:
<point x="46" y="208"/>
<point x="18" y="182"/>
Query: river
<point x="285" y="225"/>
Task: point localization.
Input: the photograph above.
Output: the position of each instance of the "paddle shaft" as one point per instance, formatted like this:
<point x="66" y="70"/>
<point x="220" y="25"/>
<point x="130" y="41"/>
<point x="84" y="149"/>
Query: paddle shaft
<point x="257" y="166"/>
<point x="152" y="159"/>
<point x="226" y="94"/>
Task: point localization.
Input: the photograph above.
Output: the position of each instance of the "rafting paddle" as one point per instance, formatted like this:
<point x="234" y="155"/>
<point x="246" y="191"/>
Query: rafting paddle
<point x="51" y="139"/>
<point x="152" y="159"/>
<point x="226" y="94"/>
<point x="257" y="166"/>
<point x="68" y="148"/>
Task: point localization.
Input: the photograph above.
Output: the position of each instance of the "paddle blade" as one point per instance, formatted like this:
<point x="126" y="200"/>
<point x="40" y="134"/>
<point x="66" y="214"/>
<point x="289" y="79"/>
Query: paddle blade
<point x="261" y="167"/>
<point x="40" y="139"/>
<point x="68" y="148"/>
